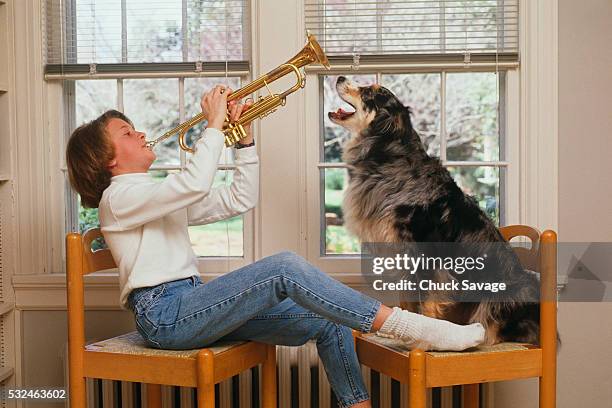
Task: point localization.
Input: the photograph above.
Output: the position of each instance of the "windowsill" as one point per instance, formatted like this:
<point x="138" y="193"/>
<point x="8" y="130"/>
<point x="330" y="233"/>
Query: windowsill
<point x="47" y="291"/>
<point x="109" y="279"/>
<point x="52" y="280"/>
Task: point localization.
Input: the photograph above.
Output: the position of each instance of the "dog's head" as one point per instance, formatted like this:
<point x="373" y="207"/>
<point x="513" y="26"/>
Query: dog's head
<point x="377" y="110"/>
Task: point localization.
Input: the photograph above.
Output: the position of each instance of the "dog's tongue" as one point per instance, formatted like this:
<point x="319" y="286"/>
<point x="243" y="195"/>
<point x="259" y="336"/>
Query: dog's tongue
<point x="343" y="114"/>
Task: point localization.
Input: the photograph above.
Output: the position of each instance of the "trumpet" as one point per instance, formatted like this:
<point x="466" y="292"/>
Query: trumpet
<point x="234" y="131"/>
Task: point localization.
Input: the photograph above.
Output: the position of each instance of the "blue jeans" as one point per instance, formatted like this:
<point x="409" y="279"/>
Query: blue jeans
<point x="280" y="299"/>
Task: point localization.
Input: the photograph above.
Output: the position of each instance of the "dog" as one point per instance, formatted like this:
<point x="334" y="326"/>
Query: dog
<point x="397" y="193"/>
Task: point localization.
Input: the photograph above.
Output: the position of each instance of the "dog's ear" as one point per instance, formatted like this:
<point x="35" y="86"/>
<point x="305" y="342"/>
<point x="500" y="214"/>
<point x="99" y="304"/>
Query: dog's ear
<point x="380" y="100"/>
<point x="384" y="122"/>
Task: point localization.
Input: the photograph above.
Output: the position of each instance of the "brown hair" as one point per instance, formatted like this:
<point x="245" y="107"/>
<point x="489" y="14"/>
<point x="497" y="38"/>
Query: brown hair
<point x="88" y="154"/>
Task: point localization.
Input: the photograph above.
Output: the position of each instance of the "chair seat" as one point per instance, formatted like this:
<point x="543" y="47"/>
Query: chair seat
<point x="502" y="361"/>
<point x="400" y="347"/>
<point x="133" y="343"/>
<point x="128" y="358"/>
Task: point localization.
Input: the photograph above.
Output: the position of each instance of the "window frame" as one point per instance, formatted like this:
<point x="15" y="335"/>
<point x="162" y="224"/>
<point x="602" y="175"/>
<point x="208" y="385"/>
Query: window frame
<point x="350" y="264"/>
<point x="154" y="70"/>
<point x="205" y="263"/>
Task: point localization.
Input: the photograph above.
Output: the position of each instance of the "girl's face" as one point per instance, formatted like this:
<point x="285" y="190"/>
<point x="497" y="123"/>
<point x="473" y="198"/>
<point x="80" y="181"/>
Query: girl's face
<point x="131" y="153"/>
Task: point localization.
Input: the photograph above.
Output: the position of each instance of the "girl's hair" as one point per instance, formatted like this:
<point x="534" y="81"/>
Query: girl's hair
<point x="88" y="154"/>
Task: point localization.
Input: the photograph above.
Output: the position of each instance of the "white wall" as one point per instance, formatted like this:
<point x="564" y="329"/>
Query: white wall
<point x="585" y="193"/>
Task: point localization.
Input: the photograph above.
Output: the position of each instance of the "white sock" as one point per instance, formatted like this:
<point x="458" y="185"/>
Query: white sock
<point x="424" y="332"/>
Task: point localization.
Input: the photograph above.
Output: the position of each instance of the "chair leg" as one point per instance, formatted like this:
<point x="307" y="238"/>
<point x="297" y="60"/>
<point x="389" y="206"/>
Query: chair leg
<point x="77" y="394"/>
<point x="471" y="396"/>
<point x="417" y="389"/>
<point x="268" y="378"/>
<point x="154" y="396"/>
<point x="548" y="392"/>
<point x="206" y="380"/>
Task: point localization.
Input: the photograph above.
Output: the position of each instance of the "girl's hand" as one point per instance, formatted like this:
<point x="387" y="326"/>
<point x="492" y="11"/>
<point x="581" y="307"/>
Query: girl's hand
<point x="214" y="106"/>
<point x="236" y="109"/>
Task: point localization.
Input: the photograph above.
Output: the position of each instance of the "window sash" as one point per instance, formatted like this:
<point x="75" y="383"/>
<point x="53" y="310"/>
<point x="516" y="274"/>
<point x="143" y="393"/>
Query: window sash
<point x="70" y="51"/>
<point x="349" y="264"/>
<point x="407" y="27"/>
<point x="216" y="264"/>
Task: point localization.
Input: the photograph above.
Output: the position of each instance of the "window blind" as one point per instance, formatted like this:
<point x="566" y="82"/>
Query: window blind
<point x="115" y="36"/>
<point x="431" y="28"/>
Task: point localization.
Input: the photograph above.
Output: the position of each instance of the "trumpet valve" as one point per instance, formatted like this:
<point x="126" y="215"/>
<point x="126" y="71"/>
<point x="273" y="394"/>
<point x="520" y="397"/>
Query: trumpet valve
<point x="234" y="133"/>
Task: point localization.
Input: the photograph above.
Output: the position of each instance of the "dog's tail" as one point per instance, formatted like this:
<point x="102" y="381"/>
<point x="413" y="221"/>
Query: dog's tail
<point x="520" y="322"/>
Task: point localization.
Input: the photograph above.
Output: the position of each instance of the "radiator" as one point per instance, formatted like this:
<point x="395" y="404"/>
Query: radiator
<point x="302" y="383"/>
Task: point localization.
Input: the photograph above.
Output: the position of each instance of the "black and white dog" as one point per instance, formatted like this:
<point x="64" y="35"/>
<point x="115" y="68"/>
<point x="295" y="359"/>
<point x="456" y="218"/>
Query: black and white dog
<point x="397" y="193"/>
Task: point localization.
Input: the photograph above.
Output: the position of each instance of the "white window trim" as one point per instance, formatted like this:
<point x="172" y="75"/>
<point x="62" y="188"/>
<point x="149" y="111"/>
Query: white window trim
<point x="539" y="114"/>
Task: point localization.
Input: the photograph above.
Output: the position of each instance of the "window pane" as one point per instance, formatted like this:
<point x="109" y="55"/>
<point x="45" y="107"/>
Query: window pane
<point x="217" y="30"/>
<point x="337" y="238"/>
<point x="472" y="116"/>
<point x="92" y="98"/>
<point x="484" y="184"/>
<point x="334" y="135"/>
<point x="98" y="31"/>
<point x="88" y="218"/>
<point x="212" y="239"/>
<point x="153" y="106"/>
<point x="154" y="31"/>
<point x="420" y="92"/>
<point x="222" y="238"/>
<point x="194" y="88"/>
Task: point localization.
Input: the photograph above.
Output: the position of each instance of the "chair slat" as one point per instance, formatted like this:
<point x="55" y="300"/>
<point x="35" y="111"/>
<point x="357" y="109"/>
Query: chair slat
<point x="471" y="368"/>
<point x="528" y="257"/>
<point x="96" y="260"/>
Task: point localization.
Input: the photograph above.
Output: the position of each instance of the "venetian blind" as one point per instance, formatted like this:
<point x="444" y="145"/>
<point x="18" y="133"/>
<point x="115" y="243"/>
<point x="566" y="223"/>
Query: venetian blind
<point x="406" y="27"/>
<point x="149" y="35"/>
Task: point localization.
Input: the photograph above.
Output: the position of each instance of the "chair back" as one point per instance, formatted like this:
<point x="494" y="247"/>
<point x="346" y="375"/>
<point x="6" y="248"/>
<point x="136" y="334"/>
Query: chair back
<point x="528" y="256"/>
<point x="542" y="258"/>
<point x="81" y="260"/>
<point x="96" y="259"/>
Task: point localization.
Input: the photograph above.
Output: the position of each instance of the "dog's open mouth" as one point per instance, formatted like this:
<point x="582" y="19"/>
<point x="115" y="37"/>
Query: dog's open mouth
<point x="340" y="114"/>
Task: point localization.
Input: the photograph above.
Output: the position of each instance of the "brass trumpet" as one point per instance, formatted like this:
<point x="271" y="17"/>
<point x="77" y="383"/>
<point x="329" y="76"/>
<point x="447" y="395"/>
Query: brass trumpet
<point x="234" y="131"/>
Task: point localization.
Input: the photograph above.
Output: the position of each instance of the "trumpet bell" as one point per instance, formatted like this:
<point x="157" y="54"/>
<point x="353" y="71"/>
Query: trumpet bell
<point x="317" y="51"/>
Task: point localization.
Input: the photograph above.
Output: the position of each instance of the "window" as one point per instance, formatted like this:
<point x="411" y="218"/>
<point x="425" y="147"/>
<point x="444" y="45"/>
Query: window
<point x="151" y="60"/>
<point x="454" y="63"/>
<point x="471" y="147"/>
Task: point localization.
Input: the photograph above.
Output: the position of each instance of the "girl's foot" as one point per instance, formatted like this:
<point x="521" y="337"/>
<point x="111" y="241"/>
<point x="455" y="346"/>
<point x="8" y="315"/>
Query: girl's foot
<point x="424" y="332"/>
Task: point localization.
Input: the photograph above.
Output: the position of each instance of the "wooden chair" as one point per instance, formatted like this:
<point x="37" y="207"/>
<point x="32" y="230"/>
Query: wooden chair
<point x="506" y="361"/>
<point x="127" y="358"/>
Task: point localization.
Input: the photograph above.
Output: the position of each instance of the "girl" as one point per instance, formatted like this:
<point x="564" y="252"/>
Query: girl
<point x="280" y="299"/>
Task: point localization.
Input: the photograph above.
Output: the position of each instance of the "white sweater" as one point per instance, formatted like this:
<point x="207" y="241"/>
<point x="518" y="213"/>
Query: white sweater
<point x="144" y="222"/>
